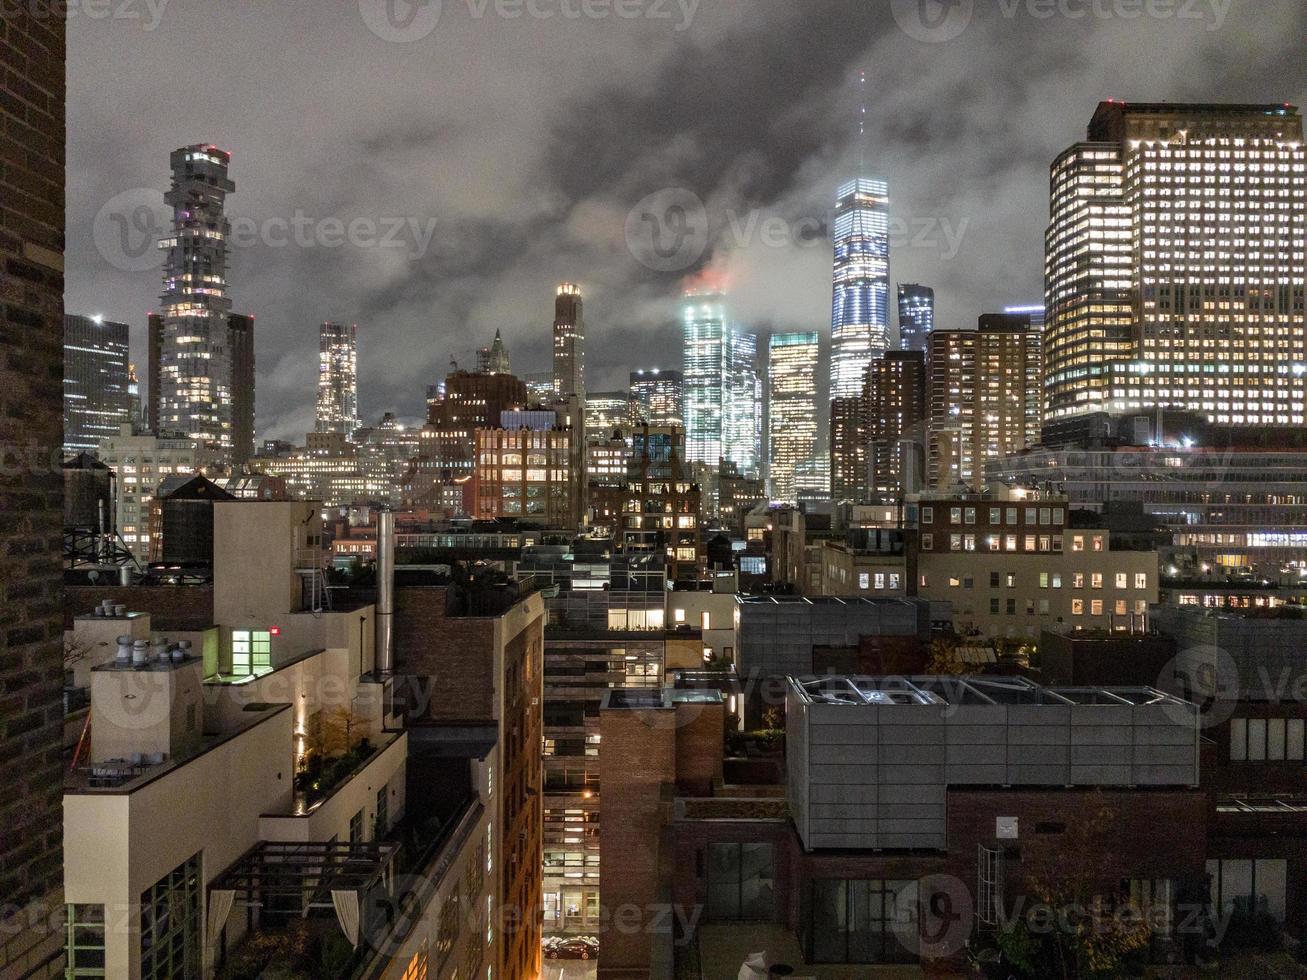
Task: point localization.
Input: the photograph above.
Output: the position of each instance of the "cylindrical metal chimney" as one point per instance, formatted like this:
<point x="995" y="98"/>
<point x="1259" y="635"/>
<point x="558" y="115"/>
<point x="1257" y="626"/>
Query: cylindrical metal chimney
<point x="385" y="641"/>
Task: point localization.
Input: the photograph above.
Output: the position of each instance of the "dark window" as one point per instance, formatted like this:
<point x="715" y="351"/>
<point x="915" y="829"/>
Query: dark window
<point x="861" y="921"/>
<point x="741" y="881"/>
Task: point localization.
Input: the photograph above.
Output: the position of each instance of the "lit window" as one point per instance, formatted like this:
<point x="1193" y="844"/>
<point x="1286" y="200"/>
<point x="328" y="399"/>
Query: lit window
<point x="251" y="652"/>
<point x="1096" y="607"/>
<point x="864" y="580"/>
<point x="1141" y="580"/>
<point x="1077" y="607"/>
<point x="1122" y="580"/>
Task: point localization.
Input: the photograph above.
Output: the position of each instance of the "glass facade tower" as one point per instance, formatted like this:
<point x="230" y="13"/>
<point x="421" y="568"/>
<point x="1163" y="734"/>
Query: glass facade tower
<point x="97" y="402"/>
<point x="792" y="409"/>
<point x="1174" y="265"/>
<point x="860" y="323"/>
<point x="916" y="315"/>
<point x="721" y="387"/>
<point x="338" y="393"/>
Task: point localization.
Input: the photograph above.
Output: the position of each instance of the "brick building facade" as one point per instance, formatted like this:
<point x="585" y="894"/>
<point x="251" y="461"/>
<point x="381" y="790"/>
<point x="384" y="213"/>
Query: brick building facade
<point x="476" y="663"/>
<point x="32" y="57"/>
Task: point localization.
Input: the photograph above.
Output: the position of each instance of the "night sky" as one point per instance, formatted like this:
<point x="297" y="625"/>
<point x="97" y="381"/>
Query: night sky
<point x="491" y="156"/>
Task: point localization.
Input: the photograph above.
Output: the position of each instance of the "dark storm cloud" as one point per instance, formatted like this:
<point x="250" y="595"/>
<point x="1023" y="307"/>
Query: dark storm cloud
<point x="522" y="144"/>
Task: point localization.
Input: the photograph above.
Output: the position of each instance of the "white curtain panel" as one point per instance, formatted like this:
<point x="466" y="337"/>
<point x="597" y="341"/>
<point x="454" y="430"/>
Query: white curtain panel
<point x="220" y="903"/>
<point x="346" y="902"/>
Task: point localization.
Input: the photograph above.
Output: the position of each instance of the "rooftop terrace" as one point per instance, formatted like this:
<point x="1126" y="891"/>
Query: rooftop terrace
<point x="940" y="690"/>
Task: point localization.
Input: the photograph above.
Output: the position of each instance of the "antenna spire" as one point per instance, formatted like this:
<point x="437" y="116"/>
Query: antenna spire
<point x="862" y="121"/>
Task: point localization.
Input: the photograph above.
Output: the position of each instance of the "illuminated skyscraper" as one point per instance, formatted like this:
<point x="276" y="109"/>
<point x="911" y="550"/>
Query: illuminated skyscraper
<point x="979" y="401"/>
<point x="606" y="411"/>
<point x="656" y="397"/>
<point x="742" y="410"/>
<point x="569" y="342"/>
<point x="722" y="389"/>
<point x="792" y="409"/>
<point x="705" y="358"/>
<point x="338" y="393"/>
<point x="895" y="412"/>
<point x="916" y="315"/>
<point x="195" y="360"/>
<point x="848" y="450"/>
<point x="96" y="399"/>
<point x="493" y="359"/>
<point x="860" y="312"/>
<point x="860" y="325"/>
<point x="1174" y="265"/>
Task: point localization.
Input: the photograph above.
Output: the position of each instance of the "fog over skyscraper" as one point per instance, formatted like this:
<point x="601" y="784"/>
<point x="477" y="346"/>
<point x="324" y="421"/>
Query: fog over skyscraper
<point x="722" y="389"/>
<point x="860" y="318"/>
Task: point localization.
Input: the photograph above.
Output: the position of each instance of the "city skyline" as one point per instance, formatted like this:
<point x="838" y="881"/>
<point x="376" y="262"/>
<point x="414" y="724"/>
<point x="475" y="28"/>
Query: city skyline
<point x="885" y="548"/>
<point x="489" y="262"/>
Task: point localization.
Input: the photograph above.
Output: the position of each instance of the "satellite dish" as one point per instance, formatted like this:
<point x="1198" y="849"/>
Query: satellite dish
<point x="93" y="576"/>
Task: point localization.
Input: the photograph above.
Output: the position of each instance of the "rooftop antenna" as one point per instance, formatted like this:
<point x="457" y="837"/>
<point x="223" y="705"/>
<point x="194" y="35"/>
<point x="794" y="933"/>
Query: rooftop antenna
<point x="862" y="121"/>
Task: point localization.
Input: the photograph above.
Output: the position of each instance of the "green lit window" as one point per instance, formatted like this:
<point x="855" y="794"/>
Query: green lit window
<point x="85" y="941"/>
<point x="251" y="652"/>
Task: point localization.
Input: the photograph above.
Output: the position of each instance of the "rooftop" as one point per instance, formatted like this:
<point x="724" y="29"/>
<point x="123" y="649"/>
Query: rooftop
<point x="636" y="698"/>
<point x="777" y="599"/>
<point x="943" y="690"/>
<point x="123" y="776"/>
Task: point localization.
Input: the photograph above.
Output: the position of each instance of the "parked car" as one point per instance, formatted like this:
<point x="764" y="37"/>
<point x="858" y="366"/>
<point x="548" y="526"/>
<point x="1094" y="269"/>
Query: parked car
<point x="573" y="948"/>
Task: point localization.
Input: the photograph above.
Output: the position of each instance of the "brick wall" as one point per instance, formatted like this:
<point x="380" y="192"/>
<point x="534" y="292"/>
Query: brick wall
<point x="455" y="655"/>
<point x="181" y="608"/>
<point x="523" y="812"/>
<point x="699" y="747"/>
<point x="638" y="760"/>
<point x="31" y="485"/>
